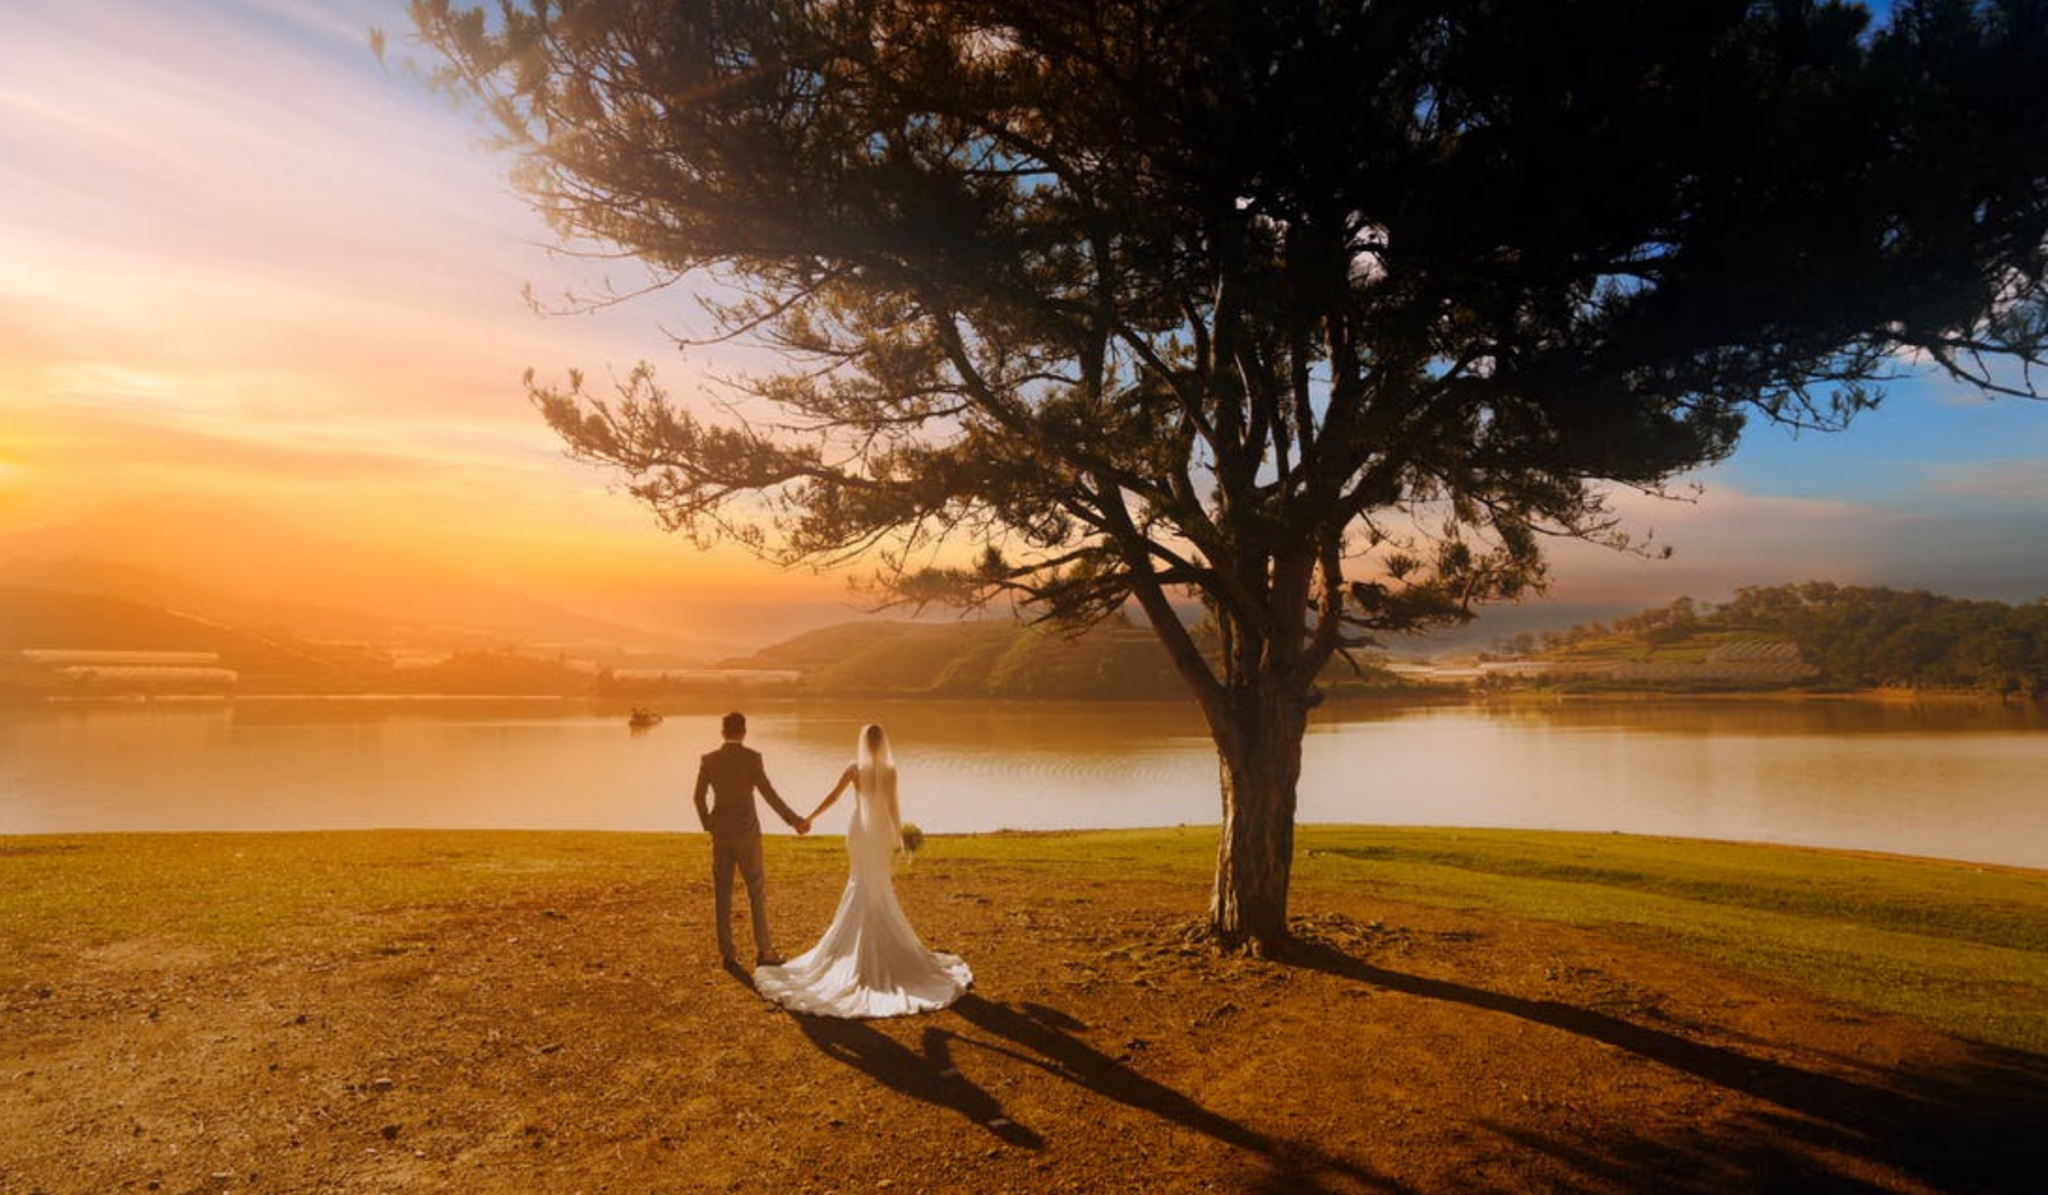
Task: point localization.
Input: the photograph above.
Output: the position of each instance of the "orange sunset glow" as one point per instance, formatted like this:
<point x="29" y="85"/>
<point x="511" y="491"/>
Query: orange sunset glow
<point x="245" y="261"/>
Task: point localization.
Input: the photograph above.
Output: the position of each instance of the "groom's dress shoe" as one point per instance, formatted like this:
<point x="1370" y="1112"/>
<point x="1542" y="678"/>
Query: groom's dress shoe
<point x="768" y="960"/>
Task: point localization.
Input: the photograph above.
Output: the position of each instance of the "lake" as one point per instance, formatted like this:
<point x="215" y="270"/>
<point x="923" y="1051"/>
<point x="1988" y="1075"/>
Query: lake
<point x="1950" y="779"/>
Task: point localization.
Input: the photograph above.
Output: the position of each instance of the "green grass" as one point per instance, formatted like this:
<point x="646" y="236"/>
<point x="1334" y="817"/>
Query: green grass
<point x="239" y="890"/>
<point x="1960" y="947"/>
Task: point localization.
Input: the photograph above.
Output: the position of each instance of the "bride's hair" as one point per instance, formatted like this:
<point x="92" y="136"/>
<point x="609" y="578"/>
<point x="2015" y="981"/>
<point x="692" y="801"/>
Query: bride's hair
<point x="872" y="751"/>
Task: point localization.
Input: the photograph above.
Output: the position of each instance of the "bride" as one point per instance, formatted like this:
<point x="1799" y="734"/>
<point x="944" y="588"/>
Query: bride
<point x="870" y="962"/>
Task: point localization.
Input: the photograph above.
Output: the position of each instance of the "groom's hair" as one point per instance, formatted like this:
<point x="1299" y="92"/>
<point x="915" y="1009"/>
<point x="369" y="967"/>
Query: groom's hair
<point x="733" y="725"/>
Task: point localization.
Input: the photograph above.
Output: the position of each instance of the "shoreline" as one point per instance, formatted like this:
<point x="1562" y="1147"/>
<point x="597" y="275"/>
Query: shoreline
<point x="1420" y="695"/>
<point x="14" y="840"/>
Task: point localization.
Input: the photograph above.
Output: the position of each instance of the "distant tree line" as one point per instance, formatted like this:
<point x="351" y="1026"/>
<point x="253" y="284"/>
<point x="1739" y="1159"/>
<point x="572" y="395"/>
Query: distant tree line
<point x="1862" y="637"/>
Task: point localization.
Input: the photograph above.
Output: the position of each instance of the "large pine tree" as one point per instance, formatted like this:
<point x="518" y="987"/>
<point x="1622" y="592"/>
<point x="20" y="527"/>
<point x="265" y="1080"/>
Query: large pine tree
<point x="1318" y="313"/>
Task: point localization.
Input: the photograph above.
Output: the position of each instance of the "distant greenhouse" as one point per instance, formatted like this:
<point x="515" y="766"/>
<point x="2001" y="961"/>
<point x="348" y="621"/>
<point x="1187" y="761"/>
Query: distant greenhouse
<point x="67" y="657"/>
<point x="73" y="671"/>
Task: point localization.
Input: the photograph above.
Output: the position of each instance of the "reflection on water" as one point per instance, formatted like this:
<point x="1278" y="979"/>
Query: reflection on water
<point x="1954" y="779"/>
<point x="1780" y="716"/>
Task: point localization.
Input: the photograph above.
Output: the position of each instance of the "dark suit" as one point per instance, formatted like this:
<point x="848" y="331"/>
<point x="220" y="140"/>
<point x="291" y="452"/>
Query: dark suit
<point x="732" y="775"/>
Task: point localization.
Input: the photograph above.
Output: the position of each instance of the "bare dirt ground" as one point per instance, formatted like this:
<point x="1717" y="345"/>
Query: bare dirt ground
<point x="584" y="1040"/>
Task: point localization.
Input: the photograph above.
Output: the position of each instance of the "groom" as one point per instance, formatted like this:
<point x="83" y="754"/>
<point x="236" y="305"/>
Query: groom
<point x="732" y="774"/>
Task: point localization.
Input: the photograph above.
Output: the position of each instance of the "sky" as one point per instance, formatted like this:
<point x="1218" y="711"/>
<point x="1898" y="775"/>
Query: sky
<point x="241" y="257"/>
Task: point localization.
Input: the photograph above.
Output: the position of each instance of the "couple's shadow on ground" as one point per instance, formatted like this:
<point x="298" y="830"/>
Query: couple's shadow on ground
<point x="1032" y="1034"/>
<point x="927" y="1073"/>
<point x="1047" y="1039"/>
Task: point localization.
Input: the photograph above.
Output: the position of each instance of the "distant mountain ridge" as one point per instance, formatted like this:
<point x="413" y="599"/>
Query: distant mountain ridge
<point x="994" y="658"/>
<point x="100" y="578"/>
<point x="222" y="561"/>
<point x="999" y="659"/>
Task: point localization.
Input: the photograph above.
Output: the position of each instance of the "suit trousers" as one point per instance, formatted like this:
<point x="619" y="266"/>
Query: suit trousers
<point x="739" y="852"/>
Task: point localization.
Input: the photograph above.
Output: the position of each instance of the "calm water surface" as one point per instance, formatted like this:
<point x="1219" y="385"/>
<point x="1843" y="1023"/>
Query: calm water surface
<point x="1953" y="780"/>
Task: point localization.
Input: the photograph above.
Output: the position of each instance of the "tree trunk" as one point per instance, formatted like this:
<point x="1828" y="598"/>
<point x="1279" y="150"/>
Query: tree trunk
<point x="1259" y="752"/>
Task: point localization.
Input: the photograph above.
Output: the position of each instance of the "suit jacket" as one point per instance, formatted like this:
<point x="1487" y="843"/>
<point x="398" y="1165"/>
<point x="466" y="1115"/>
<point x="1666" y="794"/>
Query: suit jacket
<point x="732" y="775"/>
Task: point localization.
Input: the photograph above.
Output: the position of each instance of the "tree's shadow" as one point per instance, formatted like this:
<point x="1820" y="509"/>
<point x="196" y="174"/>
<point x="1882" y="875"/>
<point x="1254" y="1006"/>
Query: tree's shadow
<point x="1045" y="1038"/>
<point x="1983" y="1128"/>
<point x="1980" y="1129"/>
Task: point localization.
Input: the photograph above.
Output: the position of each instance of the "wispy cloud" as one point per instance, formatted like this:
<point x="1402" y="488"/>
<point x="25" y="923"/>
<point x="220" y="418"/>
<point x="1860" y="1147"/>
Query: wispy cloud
<point x="233" y="241"/>
<point x="1724" y="537"/>
<point x="1985" y="540"/>
<point x="2012" y="481"/>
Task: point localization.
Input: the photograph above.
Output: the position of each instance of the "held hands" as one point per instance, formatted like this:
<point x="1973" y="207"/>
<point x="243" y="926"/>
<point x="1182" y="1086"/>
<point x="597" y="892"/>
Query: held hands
<point x="803" y="824"/>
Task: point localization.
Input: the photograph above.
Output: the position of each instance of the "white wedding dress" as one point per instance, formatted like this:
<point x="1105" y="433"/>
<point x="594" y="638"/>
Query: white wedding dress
<point x="870" y="962"/>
